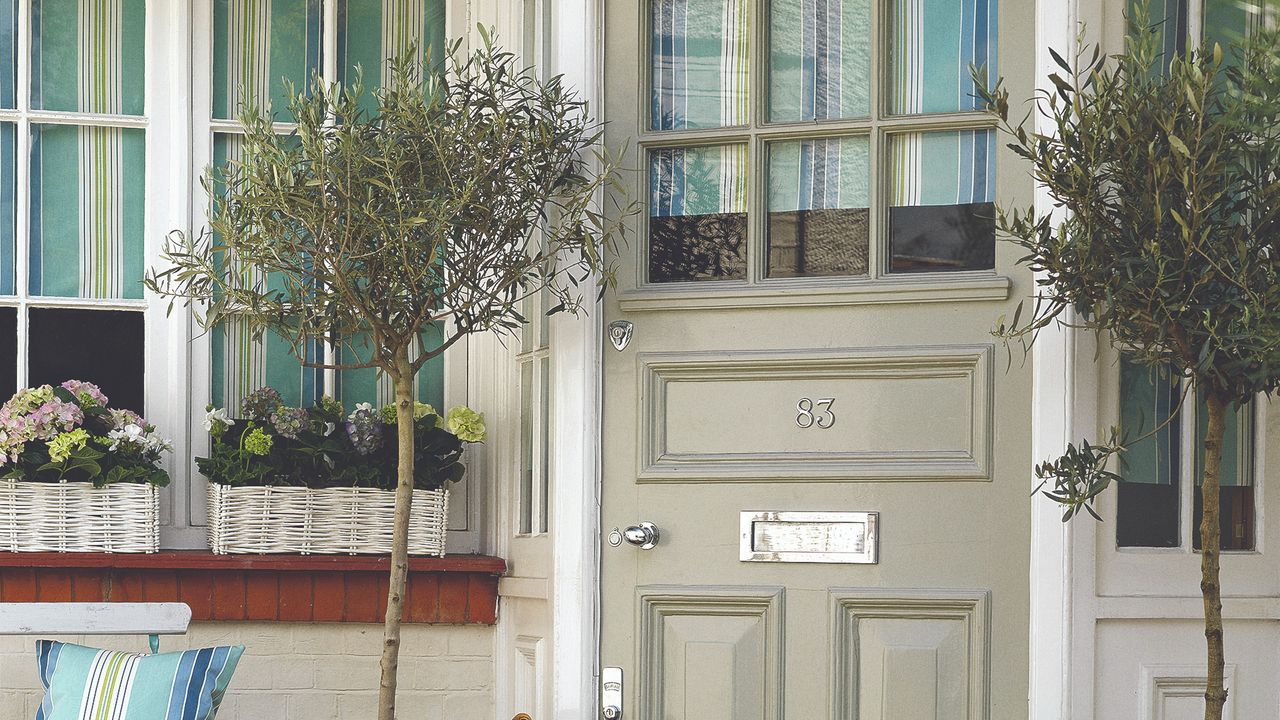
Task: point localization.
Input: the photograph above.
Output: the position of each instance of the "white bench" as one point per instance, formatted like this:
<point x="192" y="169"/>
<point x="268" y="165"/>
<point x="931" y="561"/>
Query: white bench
<point x="152" y="619"/>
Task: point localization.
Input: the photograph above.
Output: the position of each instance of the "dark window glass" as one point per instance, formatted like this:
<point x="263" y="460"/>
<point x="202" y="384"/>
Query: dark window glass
<point x="1235" y="492"/>
<point x="105" y="347"/>
<point x="1147" y="496"/>
<point x="928" y="238"/>
<point x="8" y="352"/>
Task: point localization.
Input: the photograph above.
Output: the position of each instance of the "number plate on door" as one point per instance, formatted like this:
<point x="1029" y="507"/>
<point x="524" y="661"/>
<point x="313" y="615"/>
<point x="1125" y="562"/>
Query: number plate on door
<point x="812" y="537"/>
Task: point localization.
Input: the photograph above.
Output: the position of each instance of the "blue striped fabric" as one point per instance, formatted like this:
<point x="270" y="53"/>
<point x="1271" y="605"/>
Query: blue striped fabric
<point x="819" y="60"/>
<point x="84" y="683"/>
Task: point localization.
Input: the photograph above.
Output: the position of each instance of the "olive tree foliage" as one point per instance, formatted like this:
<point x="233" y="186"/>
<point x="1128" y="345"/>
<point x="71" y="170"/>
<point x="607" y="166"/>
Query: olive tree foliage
<point x="466" y="191"/>
<point x="1166" y="175"/>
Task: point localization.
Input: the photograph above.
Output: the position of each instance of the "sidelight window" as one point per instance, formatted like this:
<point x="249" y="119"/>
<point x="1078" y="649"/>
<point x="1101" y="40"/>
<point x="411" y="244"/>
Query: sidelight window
<point x="817" y="138"/>
<point x="1163" y="462"/>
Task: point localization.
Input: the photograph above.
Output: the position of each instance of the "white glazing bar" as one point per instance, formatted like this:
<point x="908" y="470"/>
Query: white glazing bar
<point x="22" y="176"/>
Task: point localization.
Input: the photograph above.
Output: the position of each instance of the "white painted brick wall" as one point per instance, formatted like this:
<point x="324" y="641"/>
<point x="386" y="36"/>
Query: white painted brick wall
<point x="306" y="671"/>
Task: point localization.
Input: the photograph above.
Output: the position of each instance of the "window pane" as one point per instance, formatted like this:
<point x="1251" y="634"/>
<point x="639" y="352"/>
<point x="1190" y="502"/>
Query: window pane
<point x="1147" y="497"/>
<point x="8" y="46"/>
<point x="8" y="352"/>
<point x="698" y="213"/>
<point x="818" y="207"/>
<point x="1235" y="494"/>
<point x="241" y="364"/>
<point x="87" y="55"/>
<point x="105" y="347"/>
<point x="87" y="188"/>
<point x="372" y="31"/>
<point x="941" y="215"/>
<point x="372" y="386"/>
<point x="8" y="205"/>
<point x="932" y="45"/>
<point x="527" y="451"/>
<point x="700" y="62"/>
<point x="544" y="443"/>
<point x="819" y="59"/>
<point x="257" y="45"/>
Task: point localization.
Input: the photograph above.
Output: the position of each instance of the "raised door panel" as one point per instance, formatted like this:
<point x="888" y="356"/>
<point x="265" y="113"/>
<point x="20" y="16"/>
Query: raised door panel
<point x="710" y="653"/>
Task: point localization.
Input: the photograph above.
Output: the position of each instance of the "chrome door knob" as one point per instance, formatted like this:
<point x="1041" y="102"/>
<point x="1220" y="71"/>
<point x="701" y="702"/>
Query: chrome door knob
<point x="643" y="536"/>
<point x="611" y="712"/>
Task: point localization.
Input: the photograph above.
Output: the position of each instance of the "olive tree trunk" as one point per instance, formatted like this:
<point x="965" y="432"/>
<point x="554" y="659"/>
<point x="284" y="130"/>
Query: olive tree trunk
<point x="1215" y="694"/>
<point x="403" y="378"/>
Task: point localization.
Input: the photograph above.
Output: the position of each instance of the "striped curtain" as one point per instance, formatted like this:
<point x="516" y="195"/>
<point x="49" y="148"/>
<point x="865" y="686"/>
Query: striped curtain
<point x="942" y="168"/>
<point x="8" y="207"/>
<point x="87" y="204"/>
<point x="700" y="63"/>
<point x="257" y="45"/>
<point x="698" y="180"/>
<point x="373" y="386"/>
<point x="820" y="174"/>
<point x="1146" y="402"/>
<point x="371" y="32"/>
<point x="934" y="43"/>
<point x="8" y="55"/>
<point x="819" y="60"/>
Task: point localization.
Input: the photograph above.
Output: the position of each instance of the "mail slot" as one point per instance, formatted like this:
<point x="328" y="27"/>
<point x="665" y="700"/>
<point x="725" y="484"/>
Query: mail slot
<point x="812" y="537"/>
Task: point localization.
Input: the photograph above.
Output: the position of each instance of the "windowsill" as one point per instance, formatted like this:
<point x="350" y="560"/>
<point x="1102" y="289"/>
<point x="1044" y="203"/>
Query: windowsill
<point x="819" y="292"/>
<point x="455" y="589"/>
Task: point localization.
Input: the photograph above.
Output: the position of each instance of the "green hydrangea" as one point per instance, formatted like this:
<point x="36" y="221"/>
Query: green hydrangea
<point x="466" y="423"/>
<point x="420" y="410"/>
<point x="258" y="442"/>
<point x="61" y="447"/>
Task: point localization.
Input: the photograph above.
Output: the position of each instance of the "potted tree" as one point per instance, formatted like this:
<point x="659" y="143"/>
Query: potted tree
<point x="465" y="192"/>
<point x="1164" y="172"/>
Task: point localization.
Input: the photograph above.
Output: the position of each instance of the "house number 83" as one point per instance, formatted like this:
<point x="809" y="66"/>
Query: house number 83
<point x="815" y="413"/>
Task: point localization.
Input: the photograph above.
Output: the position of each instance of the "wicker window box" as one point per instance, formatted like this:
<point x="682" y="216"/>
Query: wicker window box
<point x="77" y="517"/>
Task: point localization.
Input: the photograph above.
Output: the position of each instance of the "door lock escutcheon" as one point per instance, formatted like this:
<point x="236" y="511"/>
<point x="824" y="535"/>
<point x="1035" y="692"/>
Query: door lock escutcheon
<point x="611" y="693"/>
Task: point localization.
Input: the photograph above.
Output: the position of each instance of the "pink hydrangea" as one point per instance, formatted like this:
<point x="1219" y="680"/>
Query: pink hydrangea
<point x="86" y="392"/>
<point x="54" y="417"/>
<point x="121" y="417"/>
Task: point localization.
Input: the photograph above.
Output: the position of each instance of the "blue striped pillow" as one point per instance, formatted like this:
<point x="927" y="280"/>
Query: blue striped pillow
<point x="82" y="682"/>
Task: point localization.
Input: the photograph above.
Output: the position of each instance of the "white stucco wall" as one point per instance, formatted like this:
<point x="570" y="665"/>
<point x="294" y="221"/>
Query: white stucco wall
<point x="306" y="671"/>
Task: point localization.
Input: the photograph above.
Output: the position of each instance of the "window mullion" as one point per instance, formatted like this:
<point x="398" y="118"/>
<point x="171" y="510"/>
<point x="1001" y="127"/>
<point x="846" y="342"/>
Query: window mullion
<point x="22" y="177"/>
<point x="878" y="218"/>
<point x="1187" y="420"/>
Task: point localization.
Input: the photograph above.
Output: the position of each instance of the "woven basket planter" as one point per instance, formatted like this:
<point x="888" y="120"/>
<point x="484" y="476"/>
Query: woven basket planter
<point x="349" y="521"/>
<point x="77" y="517"/>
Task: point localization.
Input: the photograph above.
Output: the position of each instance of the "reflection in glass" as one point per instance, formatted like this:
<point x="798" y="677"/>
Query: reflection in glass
<point x="818" y="207"/>
<point x="87" y="210"/>
<point x="1150" y="468"/>
<point x="104" y="347"/>
<point x="941" y="215"/>
<point x="698" y="213"/>
<point x="933" y="43"/>
<point x="819" y="59"/>
<point x="699" y="63"/>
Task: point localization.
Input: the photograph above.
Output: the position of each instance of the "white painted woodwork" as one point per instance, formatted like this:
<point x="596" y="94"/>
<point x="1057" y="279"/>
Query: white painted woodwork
<point x="94" y="618"/>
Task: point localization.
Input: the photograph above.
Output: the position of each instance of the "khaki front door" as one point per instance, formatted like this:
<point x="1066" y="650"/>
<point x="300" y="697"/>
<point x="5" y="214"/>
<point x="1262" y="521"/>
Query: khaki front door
<point x="810" y="408"/>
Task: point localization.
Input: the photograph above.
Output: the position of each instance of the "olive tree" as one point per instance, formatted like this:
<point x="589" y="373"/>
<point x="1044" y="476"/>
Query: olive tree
<point x="465" y="192"/>
<point x="1166" y="171"/>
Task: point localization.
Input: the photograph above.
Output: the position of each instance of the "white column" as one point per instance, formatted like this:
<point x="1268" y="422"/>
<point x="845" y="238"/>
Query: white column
<point x="574" y="51"/>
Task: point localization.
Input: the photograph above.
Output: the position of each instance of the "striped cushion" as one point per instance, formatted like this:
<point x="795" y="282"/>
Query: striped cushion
<point x="84" y="683"/>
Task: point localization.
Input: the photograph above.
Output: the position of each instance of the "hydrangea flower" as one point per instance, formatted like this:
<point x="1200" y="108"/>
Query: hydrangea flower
<point x="259" y="404"/>
<point x="466" y="423"/>
<point x="87" y="393"/>
<point x="216" y="421"/>
<point x="121" y="417"/>
<point x="60" y="448"/>
<point x="289" y="421"/>
<point x="140" y="438"/>
<point x="258" y="442"/>
<point x="364" y="427"/>
<point x="420" y="410"/>
<point x="328" y="407"/>
<point x="53" y="417"/>
<point x="28" y="399"/>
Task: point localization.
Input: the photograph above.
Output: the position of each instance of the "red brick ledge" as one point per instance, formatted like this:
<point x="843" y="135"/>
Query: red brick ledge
<point x="455" y="589"/>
